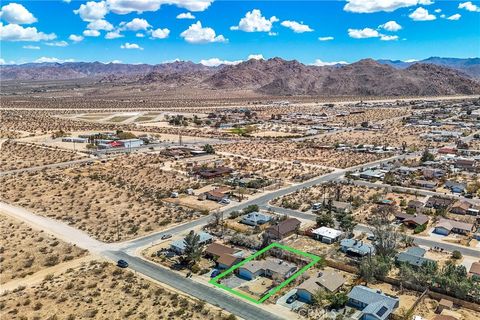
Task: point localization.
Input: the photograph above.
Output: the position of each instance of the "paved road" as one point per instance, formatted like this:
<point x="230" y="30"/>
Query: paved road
<point x="199" y="290"/>
<point x="48" y="166"/>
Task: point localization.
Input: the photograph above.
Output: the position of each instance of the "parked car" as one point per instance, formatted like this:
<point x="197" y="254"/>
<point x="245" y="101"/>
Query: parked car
<point x="370" y="236"/>
<point x="225" y="201"/>
<point x="122" y="263"/>
<point x="166" y="236"/>
<point x="214" y="273"/>
<point x="292" y="298"/>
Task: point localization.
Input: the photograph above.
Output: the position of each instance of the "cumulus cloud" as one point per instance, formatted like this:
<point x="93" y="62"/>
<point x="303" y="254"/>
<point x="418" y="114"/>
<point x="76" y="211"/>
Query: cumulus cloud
<point x="185" y="15"/>
<point x="363" y="33"/>
<point x="30" y="47"/>
<point x="113" y="35"/>
<point x="255" y="57"/>
<point x="297" y="27"/>
<point x="198" y="34"/>
<point x="91" y="33"/>
<point x="255" y="22"/>
<point x="131" y="46"/>
<point x="369" y="6"/>
<point x="213" y="62"/>
<point x="128" y="6"/>
<point x="92" y="10"/>
<point x="57" y="44"/>
<point x="321" y="63"/>
<point x="100" y="25"/>
<point x="52" y="59"/>
<point x="139" y="35"/>
<point x="136" y="24"/>
<point x="384" y="37"/>
<point x="75" y="38"/>
<point x="15" y="32"/>
<point x="160" y="33"/>
<point x="438" y="10"/>
<point x="469" y="6"/>
<point x="455" y="17"/>
<point x="326" y="38"/>
<point x="421" y="14"/>
<point x="17" y="14"/>
<point x="391" y="26"/>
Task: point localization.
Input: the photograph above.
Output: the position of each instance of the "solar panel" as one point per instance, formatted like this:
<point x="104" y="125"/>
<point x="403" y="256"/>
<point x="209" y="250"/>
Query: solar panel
<point x="382" y="311"/>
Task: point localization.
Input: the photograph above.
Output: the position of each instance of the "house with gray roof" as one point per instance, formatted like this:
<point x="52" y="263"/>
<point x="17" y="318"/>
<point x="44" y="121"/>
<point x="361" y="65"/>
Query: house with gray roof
<point x="179" y="245"/>
<point x="270" y="267"/>
<point x="413" y="256"/>
<point x="356" y="248"/>
<point x="255" y="219"/>
<point x="374" y="304"/>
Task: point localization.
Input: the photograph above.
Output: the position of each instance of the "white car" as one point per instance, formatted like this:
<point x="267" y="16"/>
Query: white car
<point x="225" y="201"/>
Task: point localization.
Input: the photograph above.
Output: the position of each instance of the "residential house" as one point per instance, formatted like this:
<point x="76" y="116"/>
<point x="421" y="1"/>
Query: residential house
<point x="255" y="219"/>
<point x="131" y="143"/>
<point x="270" y="267"/>
<point x="425" y="184"/>
<point x="464" y="207"/>
<point x="445" y="226"/>
<point x="217" y="194"/>
<point x="283" y="228"/>
<point x="224" y="256"/>
<point x="416" y="205"/>
<point x="414" y="256"/>
<point x="329" y="280"/>
<point x="455" y="187"/>
<point x="211" y="173"/>
<point x="438" y="203"/>
<point x="327" y="235"/>
<point x="412" y="220"/>
<point x="447" y="150"/>
<point x="433" y="173"/>
<point x="356" y="248"/>
<point x="474" y="271"/>
<point x="466" y="164"/>
<point x="179" y="245"/>
<point x="373" y="303"/>
<point x="372" y="174"/>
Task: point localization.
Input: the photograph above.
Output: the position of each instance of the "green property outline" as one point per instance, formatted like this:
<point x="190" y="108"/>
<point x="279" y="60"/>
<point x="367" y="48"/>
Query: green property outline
<point x="314" y="258"/>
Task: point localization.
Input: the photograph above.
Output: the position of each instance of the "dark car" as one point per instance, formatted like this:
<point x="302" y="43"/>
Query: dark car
<point x="166" y="236"/>
<point x="122" y="263"/>
<point x="292" y="298"/>
<point x="214" y="273"/>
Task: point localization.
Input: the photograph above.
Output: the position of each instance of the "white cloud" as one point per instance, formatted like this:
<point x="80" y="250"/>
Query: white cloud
<point x="160" y="33"/>
<point x="128" y="6"/>
<point x="75" y="38"/>
<point x="213" y="62"/>
<point x="57" y="44"/>
<point x="91" y="33"/>
<point x="92" y="10"/>
<point x="139" y="35"/>
<point x="255" y="22"/>
<point x="369" y="6"/>
<point x="17" y="14"/>
<point x="255" y="57"/>
<point x="131" y="46"/>
<point x="421" y="14"/>
<point x="443" y="16"/>
<point x="115" y="61"/>
<point x="14" y="32"/>
<point x="185" y="15"/>
<point x="321" y="63"/>
<point x="391" y="26"/>
<point x="113" y="35"/>
<point x="52" y="59"/>
<point x="67" y="1"/>
<point x="136" y="24"/>
<point x="455" y="17"/>
<point x="297" y="27"/>
<point x="197" y="34"/>
<point x="2" y="61"/>
<point x="326" y="38"/>
<point x="384" y="37"/>
<point x="100" y="25"/>
<point x="363" y="33"/>
<point x="469" y="6"/>
<point x="30" y="47"/>
<point x="438" y="10"/>
<point x="410" y="60"/>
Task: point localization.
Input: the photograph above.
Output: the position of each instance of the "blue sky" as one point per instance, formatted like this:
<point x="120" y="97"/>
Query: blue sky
<point x="150" y="31"/>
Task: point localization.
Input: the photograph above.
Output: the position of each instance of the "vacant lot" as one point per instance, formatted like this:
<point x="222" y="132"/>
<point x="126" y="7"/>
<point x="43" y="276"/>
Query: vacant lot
<point x="109" y="205"/>
<point x="25" y="251"/>
<point x="308" y="152"/>
<point x="102" y="291"/>
<point x="15" y="155"/>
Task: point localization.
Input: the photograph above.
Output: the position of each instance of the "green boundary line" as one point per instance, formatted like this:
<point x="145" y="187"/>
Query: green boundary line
<point x="314" y="258"/>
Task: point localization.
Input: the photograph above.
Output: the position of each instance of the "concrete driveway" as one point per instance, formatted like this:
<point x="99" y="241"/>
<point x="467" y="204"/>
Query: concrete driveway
<point x="282" y="301"/>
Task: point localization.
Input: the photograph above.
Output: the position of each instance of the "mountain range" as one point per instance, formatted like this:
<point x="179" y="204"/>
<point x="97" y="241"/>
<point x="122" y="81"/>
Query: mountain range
<point x="276" y="76"/>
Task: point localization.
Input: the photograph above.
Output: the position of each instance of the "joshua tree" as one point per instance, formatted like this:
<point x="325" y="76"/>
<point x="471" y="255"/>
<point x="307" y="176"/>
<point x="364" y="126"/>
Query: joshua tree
<point x="192" y="248"/>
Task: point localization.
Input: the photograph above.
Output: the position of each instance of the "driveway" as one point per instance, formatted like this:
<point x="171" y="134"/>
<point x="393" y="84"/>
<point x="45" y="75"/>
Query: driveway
<point x="234" y="281"/>
<point x="295" y="305"/>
